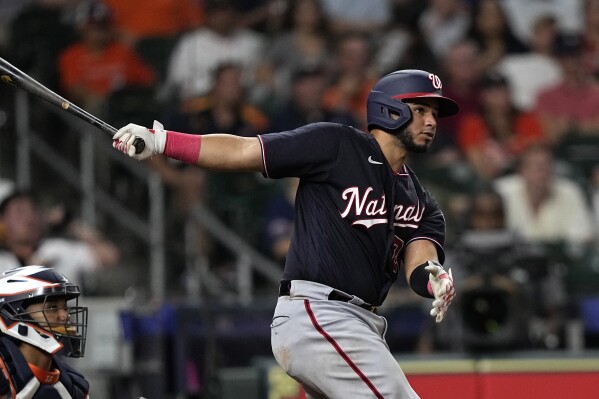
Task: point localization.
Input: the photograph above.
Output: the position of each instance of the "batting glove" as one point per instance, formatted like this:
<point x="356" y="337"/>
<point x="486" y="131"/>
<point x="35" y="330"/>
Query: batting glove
<point x="443" y="289"/>
<point x="154" y="140"/>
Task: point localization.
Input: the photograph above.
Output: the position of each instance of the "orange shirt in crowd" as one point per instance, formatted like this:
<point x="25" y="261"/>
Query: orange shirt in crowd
<point x="103" y="72"/>
<point x="151" y="18"/>
<point x="473" y="132"/>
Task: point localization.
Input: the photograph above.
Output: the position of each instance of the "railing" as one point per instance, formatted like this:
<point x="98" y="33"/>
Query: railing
<point x="151" y="231"/>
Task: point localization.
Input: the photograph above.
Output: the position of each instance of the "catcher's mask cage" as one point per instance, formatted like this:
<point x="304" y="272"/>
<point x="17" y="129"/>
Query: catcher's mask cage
<point x="387" y="98"/>
<point x="25" y="286"/>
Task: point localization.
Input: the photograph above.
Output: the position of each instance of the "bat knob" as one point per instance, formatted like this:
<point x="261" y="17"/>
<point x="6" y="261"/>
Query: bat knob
<point x="139" y="145"/>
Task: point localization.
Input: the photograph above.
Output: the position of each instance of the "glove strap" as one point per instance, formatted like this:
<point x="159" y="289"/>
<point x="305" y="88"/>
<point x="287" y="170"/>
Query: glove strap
<point x="420" y="282"/>
<point x="183" y="147"/>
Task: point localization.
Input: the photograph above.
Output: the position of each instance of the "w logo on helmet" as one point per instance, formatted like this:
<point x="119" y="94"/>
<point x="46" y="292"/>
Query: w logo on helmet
<point x="390" y="94"/>
<point x="436" y="81"/>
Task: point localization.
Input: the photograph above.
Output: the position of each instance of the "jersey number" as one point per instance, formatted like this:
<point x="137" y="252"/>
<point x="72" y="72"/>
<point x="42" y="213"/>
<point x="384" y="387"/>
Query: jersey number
<point x="397" y="247"/>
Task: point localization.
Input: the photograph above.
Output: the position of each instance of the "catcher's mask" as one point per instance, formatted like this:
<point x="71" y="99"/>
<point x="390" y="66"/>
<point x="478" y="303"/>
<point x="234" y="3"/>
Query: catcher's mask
<point x="23" y="287"/>
<point x="388" y="94"/>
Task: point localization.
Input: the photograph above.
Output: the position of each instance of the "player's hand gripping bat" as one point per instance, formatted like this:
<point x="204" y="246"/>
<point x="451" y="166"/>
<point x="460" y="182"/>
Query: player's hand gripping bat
<point x="13" y="76"/>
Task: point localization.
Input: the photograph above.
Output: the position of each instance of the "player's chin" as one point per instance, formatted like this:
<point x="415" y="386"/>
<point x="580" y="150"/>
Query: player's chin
<point x="420" y="147"/>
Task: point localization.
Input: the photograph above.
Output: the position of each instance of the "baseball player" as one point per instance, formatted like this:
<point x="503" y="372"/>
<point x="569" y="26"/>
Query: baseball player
<point x="361" y="216"/>
<point x="36" y="324"/>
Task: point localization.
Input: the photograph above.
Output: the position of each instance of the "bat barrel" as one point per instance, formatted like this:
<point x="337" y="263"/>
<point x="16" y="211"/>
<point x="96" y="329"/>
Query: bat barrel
<point x="14" y="76"/>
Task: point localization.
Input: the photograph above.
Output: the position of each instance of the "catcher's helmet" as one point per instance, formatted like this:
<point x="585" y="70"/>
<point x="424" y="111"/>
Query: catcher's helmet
<point x="24" y="286"/>
<point x="387" y="94"/>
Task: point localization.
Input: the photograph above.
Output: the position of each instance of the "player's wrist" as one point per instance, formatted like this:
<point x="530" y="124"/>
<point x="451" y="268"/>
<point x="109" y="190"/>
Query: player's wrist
<point x="420" y="282"/>
<point x="159" y="138"/>
<point x="181" y="146"/>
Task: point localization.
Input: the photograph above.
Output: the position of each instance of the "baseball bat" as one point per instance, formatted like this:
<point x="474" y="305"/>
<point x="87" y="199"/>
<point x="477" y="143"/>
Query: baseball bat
<point x="15" y="77"/>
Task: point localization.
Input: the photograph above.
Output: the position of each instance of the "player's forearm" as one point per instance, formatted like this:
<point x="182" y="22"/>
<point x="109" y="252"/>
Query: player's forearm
<point x="218" y="151"/>
<point x="417" y="253"/>
<point x="230" y="153"/>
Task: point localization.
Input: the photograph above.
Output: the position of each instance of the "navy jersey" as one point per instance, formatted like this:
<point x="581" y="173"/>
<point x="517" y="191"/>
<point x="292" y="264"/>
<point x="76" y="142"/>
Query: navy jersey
<point x="70" y="384"/>
<point x="344" y="236"/>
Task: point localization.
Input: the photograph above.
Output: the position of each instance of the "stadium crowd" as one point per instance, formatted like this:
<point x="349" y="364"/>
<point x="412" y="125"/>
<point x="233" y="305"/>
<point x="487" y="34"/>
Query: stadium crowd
<point x="508" y="167"/>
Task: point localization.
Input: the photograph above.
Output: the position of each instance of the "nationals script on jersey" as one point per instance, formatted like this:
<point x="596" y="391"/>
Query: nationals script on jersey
<point x="349" y="198"/>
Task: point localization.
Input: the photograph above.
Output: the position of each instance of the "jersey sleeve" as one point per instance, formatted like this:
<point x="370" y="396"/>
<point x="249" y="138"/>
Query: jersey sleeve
<point x="432" y="226"/>
<point x="308" y="152"/>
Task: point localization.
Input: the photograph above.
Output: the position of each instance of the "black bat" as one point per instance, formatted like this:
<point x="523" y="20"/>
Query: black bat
<point x="13" y="76"/>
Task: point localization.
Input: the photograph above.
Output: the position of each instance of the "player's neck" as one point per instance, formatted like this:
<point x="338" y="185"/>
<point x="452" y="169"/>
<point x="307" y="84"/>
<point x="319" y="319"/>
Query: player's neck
<point x="36" y="356"/>
<point x="394" y="152"/>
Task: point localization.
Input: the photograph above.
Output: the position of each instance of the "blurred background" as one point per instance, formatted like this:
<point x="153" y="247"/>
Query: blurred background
<point x="180" y="267"/>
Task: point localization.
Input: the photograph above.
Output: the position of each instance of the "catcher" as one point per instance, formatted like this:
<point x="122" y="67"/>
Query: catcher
<point x="36" y="325"/>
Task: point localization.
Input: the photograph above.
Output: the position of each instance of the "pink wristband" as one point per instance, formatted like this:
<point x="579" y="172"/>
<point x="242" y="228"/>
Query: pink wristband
<point x="183" y="147"/>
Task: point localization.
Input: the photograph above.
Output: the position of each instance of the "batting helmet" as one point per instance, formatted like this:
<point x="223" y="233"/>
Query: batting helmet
<point x="388" y="94"/>
<point x="25" y="286"/>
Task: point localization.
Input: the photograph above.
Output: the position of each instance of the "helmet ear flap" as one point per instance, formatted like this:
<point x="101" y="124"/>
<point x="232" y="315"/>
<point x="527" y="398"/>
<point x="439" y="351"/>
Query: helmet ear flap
<point x="387" y="113"/>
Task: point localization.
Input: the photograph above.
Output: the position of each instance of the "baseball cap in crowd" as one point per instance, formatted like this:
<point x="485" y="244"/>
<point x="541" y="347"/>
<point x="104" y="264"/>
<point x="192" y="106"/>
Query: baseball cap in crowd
<point x="567" y="45"/>
<point x="493" y="79"/>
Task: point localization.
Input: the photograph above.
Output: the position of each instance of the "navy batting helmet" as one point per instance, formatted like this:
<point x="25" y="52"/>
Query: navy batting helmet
<point x="388" y="94"/>
<point x="24" y="286"/>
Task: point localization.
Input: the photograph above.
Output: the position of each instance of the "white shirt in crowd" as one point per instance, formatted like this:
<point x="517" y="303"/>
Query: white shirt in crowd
<point x="72" y="258"/>
<point x="198" y="54"/>
<point x="564" y="216"/>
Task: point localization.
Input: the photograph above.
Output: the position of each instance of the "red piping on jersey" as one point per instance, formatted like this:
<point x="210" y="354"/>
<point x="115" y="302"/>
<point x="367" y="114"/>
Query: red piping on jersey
<point x="340" y="351"/>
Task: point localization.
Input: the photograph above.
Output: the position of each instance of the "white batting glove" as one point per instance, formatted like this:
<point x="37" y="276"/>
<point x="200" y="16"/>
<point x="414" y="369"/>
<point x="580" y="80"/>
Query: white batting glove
<point x="154" y="140"/>
<point x="443" y="289"/>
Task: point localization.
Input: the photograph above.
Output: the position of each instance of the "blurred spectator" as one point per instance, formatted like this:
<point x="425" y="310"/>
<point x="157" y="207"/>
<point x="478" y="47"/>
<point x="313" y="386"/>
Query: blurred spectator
<point x="514" y="274"/>
<point x="37" y="34"/>
<point x="531" y="72"/>
<point x="483" y="229"/>
<point x="91" y="69"/>
<point x="6" y="187"/>
<point x="498" y="132"/>
<point x="78" y="251"/>
<point x="407" y="12"/>
<point x="357" y="16"/>
<point x="393" y="47"/>
<point x="306" y="102"/>
<point x="444" y="23"/>
<point x="523" y="14"/>
<point x="157" y="18"/>
<point x="352" y="79"/>
<point x="401" y="46"/>
<point x="305" y="40"/>
<point x="224" y="108"/>
<point x="9" y="10"/>
<point x="461" y="78"/>
<point x="491" y="30"/>
<point x="551" y="212"/>
<point x="279" y="217"/>
<point x="482" y="256"/>
<point x="198" y="53"/>
<point x="569" y="107"/>
<point x="590" y="34"/>
<point x="542" y="206"/>
<point x="264" y="16"/>
<point x="234" y="197"/>
<point x="487" y="212"/>
<point x="449" y="171"/>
